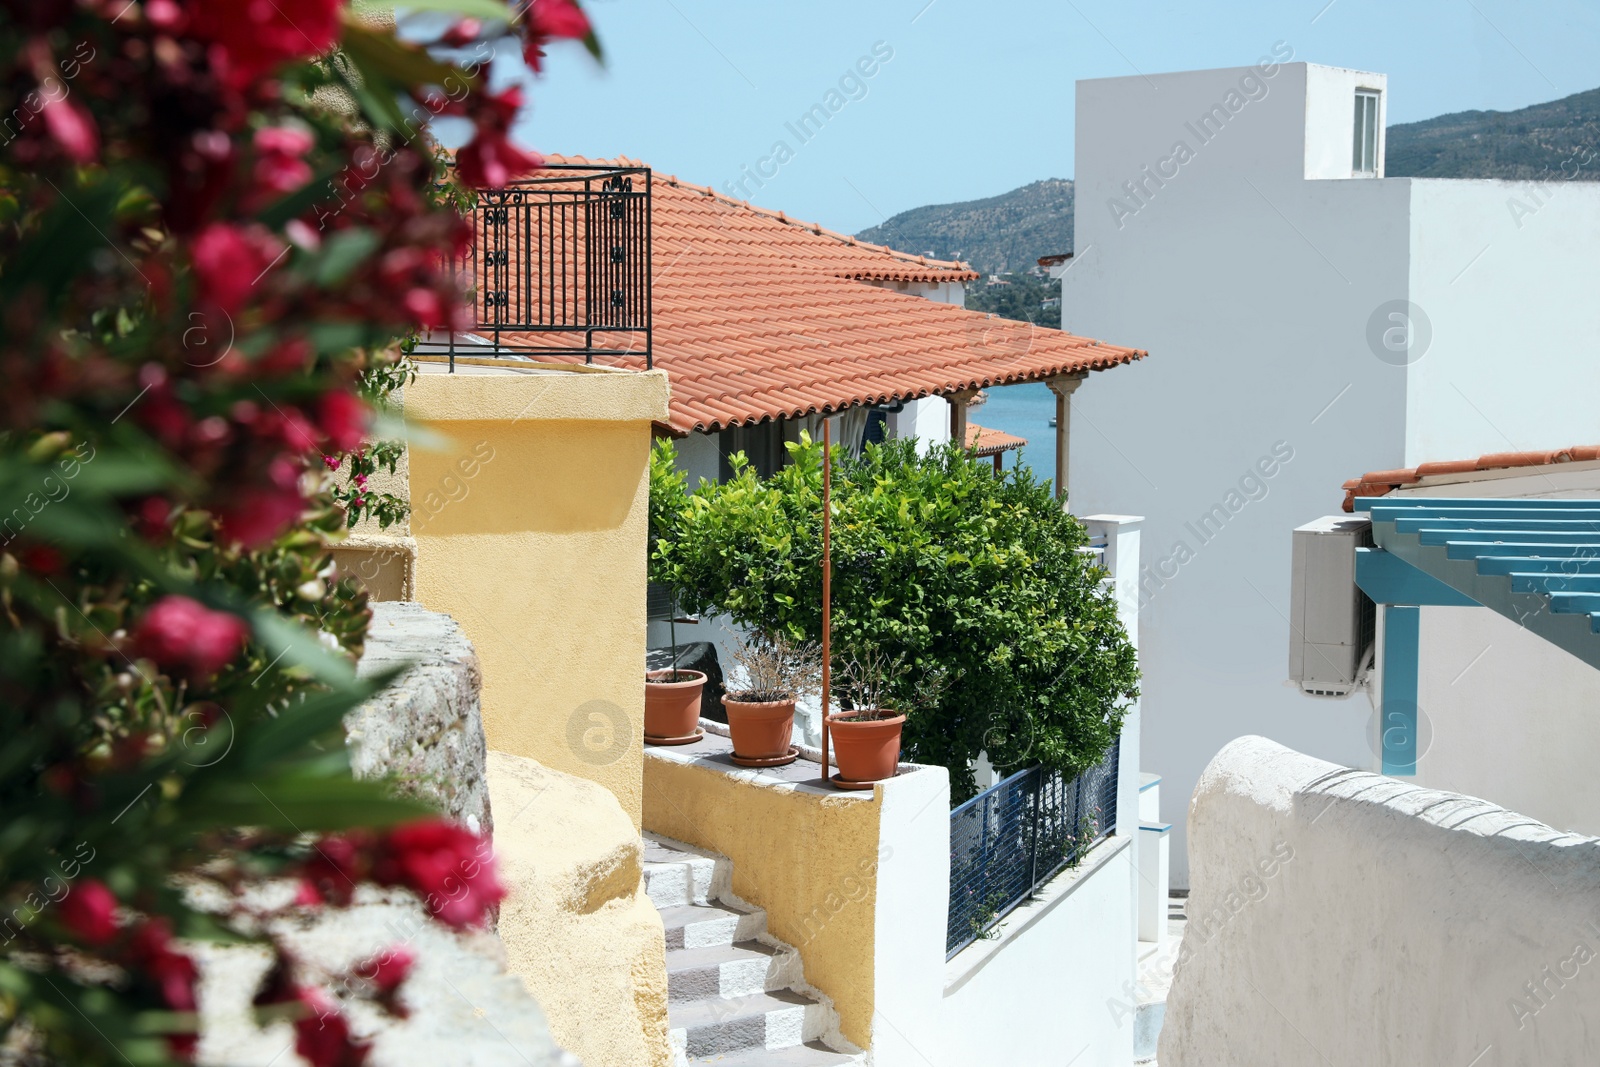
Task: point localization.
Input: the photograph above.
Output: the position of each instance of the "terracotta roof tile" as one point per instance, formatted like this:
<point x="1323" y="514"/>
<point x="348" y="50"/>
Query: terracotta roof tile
<point x="986" y="442"/>
<point x="1381" y="483"/>
<point x="758" y="317"/>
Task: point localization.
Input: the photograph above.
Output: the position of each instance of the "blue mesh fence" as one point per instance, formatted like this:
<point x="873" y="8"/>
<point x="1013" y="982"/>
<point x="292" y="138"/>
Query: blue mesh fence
<point x="1017" y="835"/>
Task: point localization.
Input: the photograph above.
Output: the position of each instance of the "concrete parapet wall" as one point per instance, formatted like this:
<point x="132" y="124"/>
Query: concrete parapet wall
<point x="1337" y="916"/>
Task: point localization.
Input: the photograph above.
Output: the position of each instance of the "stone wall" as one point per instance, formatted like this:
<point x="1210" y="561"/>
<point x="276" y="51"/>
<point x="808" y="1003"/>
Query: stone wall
<point x="1338" y="916"/>
<point x="426" y="730"/>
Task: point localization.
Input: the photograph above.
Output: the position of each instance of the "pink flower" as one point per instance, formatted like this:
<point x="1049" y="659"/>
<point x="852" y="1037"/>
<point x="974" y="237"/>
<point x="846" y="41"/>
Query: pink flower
<point x="185" y="634"/>
<point x="337" y="863"/>
<point x="342" y="418"/>
<point x="229" y="260"/>
<point x="331" y="462"/>
<point x="559" y="18"/>
<point x="490" y="159"/>
<point x="463" y="33"/>
<point x="323" y="1037"/>
<point x="253" y="37"/>
<point x="260" y="515"/>
<point x="424" y="306"/>
<point x="173" y="973"/>
<point x="449" y="865"/>
<point x="389" y="969"/>
<point x="552" y="18"/>
<point x="90" y="911"/>
<point x="73" y="128"/>
<point x="280" y="164"/>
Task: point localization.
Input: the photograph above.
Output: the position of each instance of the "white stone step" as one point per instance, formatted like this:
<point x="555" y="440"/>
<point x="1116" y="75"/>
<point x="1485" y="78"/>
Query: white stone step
<point x="708" y="925"/>
<point x="759" y="1021"/>
<point x="810" y="1054"/>
<point x="676" y="873"/>
<point x="731" y="970"/>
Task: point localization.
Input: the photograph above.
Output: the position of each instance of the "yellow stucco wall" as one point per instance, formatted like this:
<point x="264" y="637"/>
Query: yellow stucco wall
<point x="529" y="498"/>
<point x="809" y="859"/>
<point x="577" y="926"/>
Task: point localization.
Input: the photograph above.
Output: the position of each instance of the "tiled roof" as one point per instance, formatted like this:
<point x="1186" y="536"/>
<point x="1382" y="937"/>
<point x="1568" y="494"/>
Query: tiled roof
<point x="986" y="442"/>
<point x="1381" y="483"/>
<point x="757" y="316"/>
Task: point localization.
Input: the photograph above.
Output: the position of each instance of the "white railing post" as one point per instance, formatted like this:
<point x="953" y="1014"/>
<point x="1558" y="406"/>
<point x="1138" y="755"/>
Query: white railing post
<point x="1121" y="535"/>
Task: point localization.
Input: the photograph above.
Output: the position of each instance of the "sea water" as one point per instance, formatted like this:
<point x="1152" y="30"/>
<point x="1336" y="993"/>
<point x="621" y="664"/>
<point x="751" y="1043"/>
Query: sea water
<point x="1025" y="411"/>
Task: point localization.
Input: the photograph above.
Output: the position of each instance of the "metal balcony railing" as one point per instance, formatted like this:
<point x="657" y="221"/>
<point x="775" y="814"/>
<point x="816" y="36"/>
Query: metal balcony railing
<point x="560" y="267"/>
<point x="1017" y="835"/>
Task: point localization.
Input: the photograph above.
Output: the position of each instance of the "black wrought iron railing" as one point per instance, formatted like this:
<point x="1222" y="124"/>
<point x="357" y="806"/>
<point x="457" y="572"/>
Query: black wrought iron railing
<point x="1017" y="835"/>
<point x="560" y="267"/>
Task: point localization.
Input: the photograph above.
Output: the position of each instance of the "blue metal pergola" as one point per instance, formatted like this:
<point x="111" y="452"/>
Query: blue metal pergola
<point x="1536" y="562"/>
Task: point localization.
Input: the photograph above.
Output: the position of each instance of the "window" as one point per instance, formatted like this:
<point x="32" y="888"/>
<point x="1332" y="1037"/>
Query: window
<point x="1365" y="155"/>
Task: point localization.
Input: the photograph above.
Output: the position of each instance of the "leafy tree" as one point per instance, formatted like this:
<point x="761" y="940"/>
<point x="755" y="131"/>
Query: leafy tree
<point x="966" y="573"/>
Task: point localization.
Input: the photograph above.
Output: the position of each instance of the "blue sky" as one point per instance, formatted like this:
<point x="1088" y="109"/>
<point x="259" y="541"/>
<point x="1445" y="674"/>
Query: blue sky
<point x="977" y="96"/>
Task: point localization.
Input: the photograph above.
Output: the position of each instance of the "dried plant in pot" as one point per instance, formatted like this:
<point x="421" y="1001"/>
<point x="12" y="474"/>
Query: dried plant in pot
<point x="777" y="671"/>
<point x="878" y="692"/>
<point x="672" y="698"/>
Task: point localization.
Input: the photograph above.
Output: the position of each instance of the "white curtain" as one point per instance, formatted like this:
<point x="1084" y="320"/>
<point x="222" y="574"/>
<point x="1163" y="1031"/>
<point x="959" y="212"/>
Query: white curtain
<point x="848" y="428"/>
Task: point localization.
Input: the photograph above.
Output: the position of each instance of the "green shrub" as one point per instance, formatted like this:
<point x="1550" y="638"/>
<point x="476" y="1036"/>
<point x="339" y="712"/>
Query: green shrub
<point x="937" y="559"/>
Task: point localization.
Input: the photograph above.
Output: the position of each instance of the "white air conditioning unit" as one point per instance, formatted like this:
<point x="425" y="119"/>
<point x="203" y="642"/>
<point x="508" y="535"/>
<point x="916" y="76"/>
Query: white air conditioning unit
<point x="1331" y="621"/>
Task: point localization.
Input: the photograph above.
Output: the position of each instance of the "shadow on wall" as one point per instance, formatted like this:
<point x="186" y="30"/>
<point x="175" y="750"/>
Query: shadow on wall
<point x="584" y="482"/>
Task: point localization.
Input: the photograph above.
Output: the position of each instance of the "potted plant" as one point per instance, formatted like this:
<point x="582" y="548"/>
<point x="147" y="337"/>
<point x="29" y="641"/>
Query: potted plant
<point x="776" y="672"/>
<point x="876" y="692"/>
<point x="672" y="697"/>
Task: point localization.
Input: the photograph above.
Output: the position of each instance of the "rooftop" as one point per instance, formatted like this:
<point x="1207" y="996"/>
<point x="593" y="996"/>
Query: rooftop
<point x="1452" y="472"/>
<point x="758" y="316"/>
<point x="983" y="441"/>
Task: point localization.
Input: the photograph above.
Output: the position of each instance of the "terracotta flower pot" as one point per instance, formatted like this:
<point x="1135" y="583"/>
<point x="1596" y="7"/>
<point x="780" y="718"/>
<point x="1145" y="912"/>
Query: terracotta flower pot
<point x="866" y="750"/>
<point x="760" y="729"/>
<point x="672" y="709"/>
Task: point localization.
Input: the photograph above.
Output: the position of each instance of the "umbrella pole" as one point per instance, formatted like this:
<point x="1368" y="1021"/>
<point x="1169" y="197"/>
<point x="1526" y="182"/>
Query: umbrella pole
<point x="827" y="583"/>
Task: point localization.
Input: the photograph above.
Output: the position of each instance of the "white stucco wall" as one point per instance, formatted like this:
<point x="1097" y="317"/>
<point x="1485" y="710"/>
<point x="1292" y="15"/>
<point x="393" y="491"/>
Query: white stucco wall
<point x="1398" y="925"/>
<point x="1054" y="985"/>
<point x="1252" y="333"/>
<point x="1257" y="293"/>
<point x="1506" y="715"/>
<point x="928" y="420"/>
<point x="1504" y="273"/>
<point x="914" y="878"/>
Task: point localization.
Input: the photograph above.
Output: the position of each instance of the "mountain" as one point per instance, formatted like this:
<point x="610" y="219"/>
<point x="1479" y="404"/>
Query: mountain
<point x="1002" y="233"/>
<point x="1546" y="140"/>
<point x="1011" y="231"/>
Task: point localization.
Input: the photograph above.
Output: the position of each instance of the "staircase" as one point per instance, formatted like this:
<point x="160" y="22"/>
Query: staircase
<point x="736" y="995"/>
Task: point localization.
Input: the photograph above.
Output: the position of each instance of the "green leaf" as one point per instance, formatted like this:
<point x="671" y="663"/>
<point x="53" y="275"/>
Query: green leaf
<point x="341" y="254"/>
<point x="478" y="9"/>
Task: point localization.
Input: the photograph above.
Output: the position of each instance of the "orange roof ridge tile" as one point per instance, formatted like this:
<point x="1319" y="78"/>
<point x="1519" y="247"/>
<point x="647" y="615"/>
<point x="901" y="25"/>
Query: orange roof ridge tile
<point x="1382" y="483"/>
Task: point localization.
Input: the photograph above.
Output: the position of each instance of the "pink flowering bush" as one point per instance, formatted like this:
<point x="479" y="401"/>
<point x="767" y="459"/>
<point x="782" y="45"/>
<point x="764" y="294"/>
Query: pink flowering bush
<point x="209" y="274"/>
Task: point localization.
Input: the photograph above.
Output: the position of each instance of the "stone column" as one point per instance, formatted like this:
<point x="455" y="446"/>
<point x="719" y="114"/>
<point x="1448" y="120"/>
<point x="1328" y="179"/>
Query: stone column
<point x="1064" y="386"/>
<point x="958" y="414"/>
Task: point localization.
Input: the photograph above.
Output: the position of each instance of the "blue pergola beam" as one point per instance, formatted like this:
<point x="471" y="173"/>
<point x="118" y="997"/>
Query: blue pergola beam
<point x="1532" y="564"/>
<point x="1388" y="579"/>
<point x="1479" y="562"/>
<point x="1546" y="525"/>
<point x="1528" y="582"/>
<point x="1430" y="536"/>
<point x="1475" y="505"/>
<point x="1402" y="630"/>
<point x="1575" y="603"/>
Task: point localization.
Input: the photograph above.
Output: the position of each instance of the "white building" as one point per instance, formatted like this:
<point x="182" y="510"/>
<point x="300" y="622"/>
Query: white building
<point x="1312" y="318"/>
